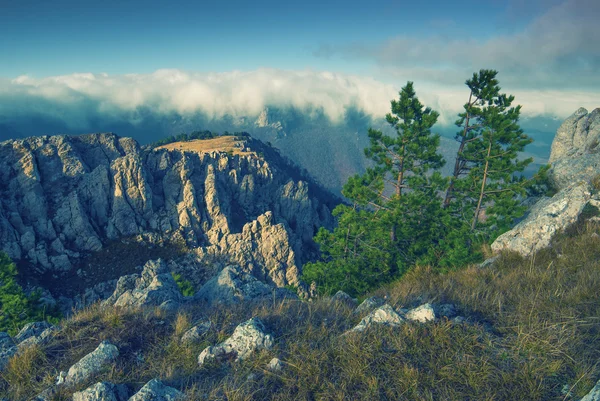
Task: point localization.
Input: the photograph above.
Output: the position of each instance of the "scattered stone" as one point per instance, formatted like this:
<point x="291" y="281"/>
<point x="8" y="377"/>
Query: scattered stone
<point x="248" y="337"/>
<point x="369" y="304"/>
<point x="234" y="285"/>
<point x="155" y="390"/>
<point x="384" y="315"/>
<point x="275" y="365"/>
<point x="423" y="313"/>
<point x="102" y="391"/>
<point x="594" y="394"/>
<point x="194" y="335"/>
<point x="344" y="298"/>
<point x="92" y="363"/>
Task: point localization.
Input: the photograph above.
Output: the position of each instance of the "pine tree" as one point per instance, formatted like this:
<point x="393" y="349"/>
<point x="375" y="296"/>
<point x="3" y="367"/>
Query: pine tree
<point x="484" y="179"/>
<point x="392" y="221"/>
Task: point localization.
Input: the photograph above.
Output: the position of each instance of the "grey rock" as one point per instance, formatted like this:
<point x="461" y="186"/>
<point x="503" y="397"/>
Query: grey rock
<point x="155" y="390"/>
<point x="424" y="313"/>
<point x="275" y="365"/>
<point x="233" y="285"/>
<point x="194" y="335"/>
<point x="579" y="134"/>
<point x="247" y="338"/>
<point x="546" y="218"/>
<point x="92" y="364"/>
<point x="384" y="315"/>
<point x="36" y="333"/>
<point x="8" y="348"/>
<point x="102" y="391"/>
<point x="594" y="394"/>
<point x="155" y="286"/>
<point x="344" y="298"/>
<point x="369" y="304"/>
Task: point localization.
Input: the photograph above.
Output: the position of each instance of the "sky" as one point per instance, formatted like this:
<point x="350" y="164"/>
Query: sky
<point x="70" y="58"/>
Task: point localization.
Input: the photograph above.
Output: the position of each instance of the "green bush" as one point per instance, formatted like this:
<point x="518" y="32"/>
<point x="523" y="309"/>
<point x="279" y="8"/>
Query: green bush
<point x="185" y="286"/>
<point x="17" y="308"/>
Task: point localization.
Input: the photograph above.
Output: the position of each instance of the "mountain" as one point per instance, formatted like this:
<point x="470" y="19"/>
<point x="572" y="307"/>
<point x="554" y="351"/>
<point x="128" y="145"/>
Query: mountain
<point x="331" y="151"/>
<point x="79" y="210"/>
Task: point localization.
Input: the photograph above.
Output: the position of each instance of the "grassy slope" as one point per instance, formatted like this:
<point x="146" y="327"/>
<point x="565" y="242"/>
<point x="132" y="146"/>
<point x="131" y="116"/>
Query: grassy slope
<point x="537" y="330"/>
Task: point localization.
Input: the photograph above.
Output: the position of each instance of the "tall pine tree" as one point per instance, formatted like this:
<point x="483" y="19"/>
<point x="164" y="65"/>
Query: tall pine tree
<point x="483" y="188"/>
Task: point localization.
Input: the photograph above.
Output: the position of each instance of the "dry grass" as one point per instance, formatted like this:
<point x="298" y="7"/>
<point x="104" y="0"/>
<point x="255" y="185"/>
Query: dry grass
<point x="227" y="144"/>
<point x="535" y="328"/>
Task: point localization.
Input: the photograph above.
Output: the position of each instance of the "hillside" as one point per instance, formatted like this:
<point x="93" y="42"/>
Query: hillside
<point x="521" y="329"/>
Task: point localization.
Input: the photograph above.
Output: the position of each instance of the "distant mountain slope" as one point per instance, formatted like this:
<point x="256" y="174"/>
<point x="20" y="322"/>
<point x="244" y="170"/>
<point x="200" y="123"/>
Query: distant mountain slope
<point x="330" y="151"/>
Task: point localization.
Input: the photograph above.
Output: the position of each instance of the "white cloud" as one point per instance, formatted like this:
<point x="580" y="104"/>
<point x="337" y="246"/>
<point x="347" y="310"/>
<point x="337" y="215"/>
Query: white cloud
<point x="77" y="97"/>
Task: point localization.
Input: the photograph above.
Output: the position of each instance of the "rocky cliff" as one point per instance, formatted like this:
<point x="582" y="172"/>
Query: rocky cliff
<point x="574" y="174"/>
<point x="65" y="199"/>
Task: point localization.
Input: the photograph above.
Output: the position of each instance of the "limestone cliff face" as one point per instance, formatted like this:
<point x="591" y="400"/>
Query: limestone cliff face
<point x="575" y="162"/>
<point x="65" y="197"/>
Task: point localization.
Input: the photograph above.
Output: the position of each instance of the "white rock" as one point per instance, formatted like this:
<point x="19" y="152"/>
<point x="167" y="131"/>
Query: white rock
<point x="92" y="363"/>
<point x="247" y="338"/>
<point x="423" y="313"/>
<point x="155" y="390"/>
<point x="384" y="315"/>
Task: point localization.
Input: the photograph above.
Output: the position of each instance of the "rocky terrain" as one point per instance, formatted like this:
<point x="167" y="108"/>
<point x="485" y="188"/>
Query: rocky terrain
<point x="67" y="200"/>
<point x="521" y="326"/>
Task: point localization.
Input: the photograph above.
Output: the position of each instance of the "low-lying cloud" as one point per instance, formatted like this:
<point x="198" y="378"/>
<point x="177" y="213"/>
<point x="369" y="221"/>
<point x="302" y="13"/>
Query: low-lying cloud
<point x="77" y="99"/>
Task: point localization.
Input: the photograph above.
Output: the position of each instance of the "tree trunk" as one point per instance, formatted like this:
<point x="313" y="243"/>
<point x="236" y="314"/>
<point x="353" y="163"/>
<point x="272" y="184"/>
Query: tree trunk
<point x="457" y="163"/>
<point x="482" y="191"/>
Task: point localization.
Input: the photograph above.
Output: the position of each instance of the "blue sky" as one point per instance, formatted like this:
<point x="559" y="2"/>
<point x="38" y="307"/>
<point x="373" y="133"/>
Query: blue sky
<point x="175" y="56"/>
<point x="44" y="38"/>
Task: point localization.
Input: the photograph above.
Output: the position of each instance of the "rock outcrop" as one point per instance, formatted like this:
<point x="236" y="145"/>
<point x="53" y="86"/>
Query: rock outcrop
<point x="155" y="286"/>
<point x="234" y="285"/>
<point x="247" y="338"/>
<point x="575" y="163"/>
<point x="63" y="198"/>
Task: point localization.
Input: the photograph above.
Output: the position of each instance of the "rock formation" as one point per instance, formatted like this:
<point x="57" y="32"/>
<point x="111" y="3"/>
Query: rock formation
<point x="64" y="198"/>
<point x="575" y="166"/>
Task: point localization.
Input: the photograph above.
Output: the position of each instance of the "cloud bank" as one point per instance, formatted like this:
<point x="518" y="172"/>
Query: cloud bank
<point x="77" y="99"/>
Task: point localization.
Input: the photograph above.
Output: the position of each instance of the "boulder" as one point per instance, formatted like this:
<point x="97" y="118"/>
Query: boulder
<point x="369" y="304"/>
<point x="155" y="390"/>
<point x="92" y="364"/>
<point x="247" y="338"/>
<point x="194" y="335"/>
<point x="384" y="315"/>
<point x="155" y="286"/>
<point x="546" y="218"/>
<point x="102" y="391"/>
<point x="345" y="299"/>
<point x="233" y="285"/>
<point x="424" y="313"/>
